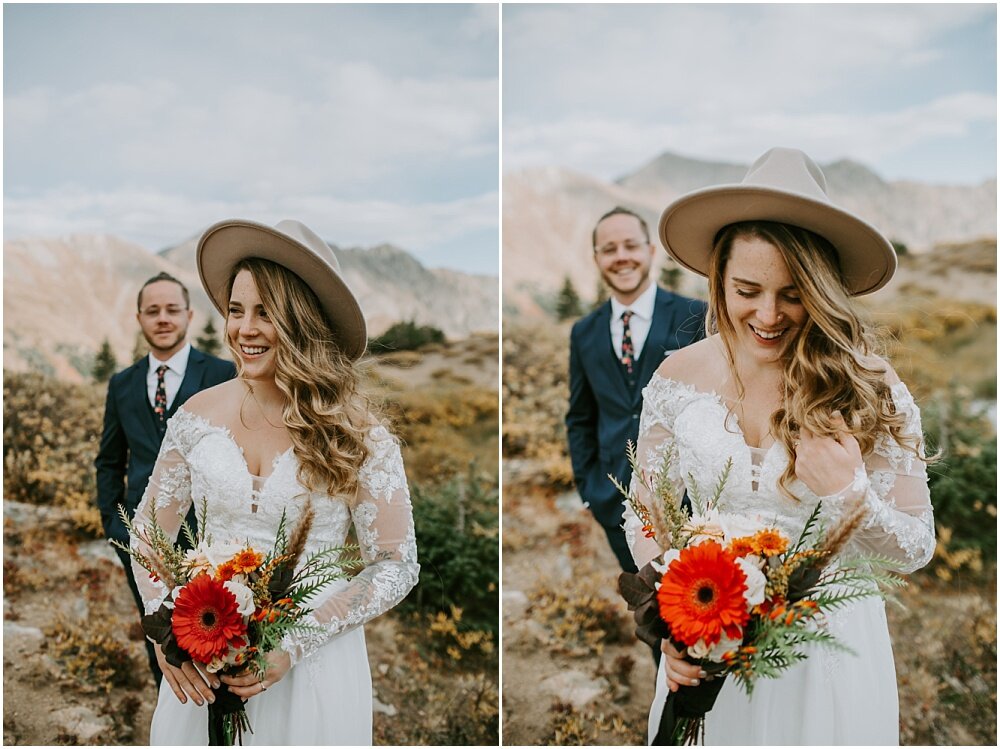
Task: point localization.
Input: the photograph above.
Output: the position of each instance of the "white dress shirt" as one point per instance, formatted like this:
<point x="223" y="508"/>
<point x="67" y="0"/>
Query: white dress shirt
<point x="172" y="378"/>
<point x="642" y="320"/>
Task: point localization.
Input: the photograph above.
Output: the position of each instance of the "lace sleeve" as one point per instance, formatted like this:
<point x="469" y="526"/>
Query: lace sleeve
<point x="900" y="520"/>
<point x="167" y="498"/>
<point x="661" y="400"/>
<point x="383" y="522"/>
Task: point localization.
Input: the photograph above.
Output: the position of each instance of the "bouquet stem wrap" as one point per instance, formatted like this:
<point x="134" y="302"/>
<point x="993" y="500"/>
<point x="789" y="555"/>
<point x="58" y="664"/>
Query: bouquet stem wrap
<point x="683" y="719"/>
<point x="227" y="719"/>
<point x="682" y="722"/>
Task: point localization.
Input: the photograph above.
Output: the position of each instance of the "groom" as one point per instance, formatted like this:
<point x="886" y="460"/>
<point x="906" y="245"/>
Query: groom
<point x="613" y="353"/>
<point x="140" y="400"/>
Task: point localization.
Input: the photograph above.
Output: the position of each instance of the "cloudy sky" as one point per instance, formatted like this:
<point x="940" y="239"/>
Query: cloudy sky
<point x="909" y="90"/>
<point x="369" y="123"/>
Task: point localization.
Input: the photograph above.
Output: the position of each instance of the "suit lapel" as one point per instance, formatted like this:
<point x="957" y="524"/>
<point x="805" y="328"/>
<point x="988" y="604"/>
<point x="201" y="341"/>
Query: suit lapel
<point x="657" y="341"/>
<point x="191" y="383"/>
<point x="607" y="363"/>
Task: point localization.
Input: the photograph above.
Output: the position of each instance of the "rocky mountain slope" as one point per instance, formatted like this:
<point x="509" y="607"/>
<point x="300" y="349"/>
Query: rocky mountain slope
<point x="548" y="214"/>
<point x="64" y="296"/>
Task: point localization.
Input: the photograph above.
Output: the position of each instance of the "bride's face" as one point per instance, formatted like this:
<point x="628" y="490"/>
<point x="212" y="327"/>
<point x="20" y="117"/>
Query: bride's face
<point x="249" y="329"/>
<point x="762" y="301"/>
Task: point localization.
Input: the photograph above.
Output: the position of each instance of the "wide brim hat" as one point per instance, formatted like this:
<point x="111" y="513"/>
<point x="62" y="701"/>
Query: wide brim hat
<point x="294" y="246"/>
<point x="785" y="186"/>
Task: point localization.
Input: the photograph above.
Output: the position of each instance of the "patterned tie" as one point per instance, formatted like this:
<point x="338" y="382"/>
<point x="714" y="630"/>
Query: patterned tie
<point x="628" y="352"/>
<point x="160" y="399"/>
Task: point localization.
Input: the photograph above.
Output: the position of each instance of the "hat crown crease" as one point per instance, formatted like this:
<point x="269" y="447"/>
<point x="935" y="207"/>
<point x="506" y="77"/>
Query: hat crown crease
<point x="789" y="170"/>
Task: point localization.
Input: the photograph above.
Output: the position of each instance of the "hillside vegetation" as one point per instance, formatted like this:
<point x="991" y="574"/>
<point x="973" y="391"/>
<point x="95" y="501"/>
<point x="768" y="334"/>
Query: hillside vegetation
<point x="74" y="666"/>
<point x="572" y="677"/>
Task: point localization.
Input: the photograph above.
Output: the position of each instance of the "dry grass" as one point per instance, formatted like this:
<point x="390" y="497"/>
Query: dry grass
<point x="944" y="635"/>
<point x="79" y="606"/>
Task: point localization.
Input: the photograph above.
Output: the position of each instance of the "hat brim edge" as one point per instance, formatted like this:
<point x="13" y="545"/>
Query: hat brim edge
<point x="228" y="242"/>
<point x="688" y="227"/>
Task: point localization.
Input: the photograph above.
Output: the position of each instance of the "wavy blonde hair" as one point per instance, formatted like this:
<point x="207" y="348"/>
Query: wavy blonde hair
<point x="326" y="412"/>
<point x="832" y="364"/>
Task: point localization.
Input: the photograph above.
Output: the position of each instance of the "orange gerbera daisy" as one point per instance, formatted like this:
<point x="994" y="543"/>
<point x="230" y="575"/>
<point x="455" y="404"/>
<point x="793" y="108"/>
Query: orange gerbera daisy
<point x="742" y="546"/>
<point x="247" y="560"/>
<point x="225" y="571"/>
<point x="770" y="541"/>
<point x="701" y="595"/>
<point x="206" y="620"/>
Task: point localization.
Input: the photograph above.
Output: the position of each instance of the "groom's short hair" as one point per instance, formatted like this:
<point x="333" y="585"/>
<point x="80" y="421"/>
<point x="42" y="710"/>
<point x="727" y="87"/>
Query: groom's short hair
<point x="163" y="277"/>
<point x="614" y="212"/>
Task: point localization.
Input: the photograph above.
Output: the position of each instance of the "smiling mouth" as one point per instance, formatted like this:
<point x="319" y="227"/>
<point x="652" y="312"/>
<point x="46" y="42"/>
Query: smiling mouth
<point x="253" y="350"/>
<point x="768" y="335"/>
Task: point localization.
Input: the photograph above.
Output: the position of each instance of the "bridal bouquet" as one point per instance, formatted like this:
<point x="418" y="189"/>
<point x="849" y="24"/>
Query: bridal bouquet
<point x="229" y="603"/>
<point x="738" y="594"/>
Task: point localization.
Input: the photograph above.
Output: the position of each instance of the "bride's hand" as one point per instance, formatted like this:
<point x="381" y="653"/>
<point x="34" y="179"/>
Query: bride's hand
<point x="187" y="681"/>
<point x="827" y="464"/>
<point x="680" y="673"/>
<point x="247" y="684"/>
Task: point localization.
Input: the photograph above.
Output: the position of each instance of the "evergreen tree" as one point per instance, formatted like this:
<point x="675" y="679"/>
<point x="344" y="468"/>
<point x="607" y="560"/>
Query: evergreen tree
<point x="140" y="348"/>
<point x="406" y="336"/>
<point x="105" y="364"/>
<point x="208" y="341"/>
<point x="602" y="293"/>
<point x="670" y="277"/>
<point x="568" y="302"/>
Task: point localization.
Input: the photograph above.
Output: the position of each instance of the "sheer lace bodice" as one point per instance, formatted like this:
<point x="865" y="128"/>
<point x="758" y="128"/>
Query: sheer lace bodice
<point x="899" y="523"/>
<point x="201" y="460"/>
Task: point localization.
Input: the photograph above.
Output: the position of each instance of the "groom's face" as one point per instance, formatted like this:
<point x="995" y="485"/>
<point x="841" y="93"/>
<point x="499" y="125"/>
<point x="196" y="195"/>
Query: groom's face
<point x="164" y="318"/>
<point x="623" y="255"/>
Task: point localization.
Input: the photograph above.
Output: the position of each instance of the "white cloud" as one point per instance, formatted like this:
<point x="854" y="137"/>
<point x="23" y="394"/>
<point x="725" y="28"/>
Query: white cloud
<point x="146" y="217"/>
<point x="611" y="147"/>
<point x="726" y="82"/>
<point x="366" y="125"/>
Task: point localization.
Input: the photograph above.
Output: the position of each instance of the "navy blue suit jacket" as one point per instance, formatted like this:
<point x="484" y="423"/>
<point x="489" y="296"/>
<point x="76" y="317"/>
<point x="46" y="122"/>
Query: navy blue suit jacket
<point x="131" y="439"/>
<point x="603" y="414"/>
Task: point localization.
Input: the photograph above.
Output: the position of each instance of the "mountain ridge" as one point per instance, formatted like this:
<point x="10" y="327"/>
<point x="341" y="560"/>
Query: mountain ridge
<point x="549" y="213"/>
<point x="64" y="295"/>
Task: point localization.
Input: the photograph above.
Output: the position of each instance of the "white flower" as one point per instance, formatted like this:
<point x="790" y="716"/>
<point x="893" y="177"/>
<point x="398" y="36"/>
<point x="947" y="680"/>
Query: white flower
<point x="756" y="582"/>
<point x="739" y="526"/>
<point x="196" y="562"/>
<point x="233" y="657"/>
<point x="216" y="664"/>
<point x="216" y="554"/>
<point x="715" y="652"/>
<point x="668" y="557"/>
<point x="704" y="527"/>
<point x="243" y="595"/>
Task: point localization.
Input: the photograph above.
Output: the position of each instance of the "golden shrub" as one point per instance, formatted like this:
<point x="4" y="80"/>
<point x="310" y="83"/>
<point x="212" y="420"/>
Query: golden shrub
<point x="51" y="434"/>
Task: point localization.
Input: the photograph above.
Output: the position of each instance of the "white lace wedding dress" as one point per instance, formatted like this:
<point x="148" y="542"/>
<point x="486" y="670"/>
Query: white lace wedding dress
<point x="832" y="697"/>
<point x="326" y="697"/>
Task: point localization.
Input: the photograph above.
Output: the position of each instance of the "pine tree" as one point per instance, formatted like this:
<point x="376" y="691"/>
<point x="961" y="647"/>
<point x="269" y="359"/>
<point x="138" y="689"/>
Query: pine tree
<point x="140" y="348"/>
<point x="602" y="294"/>
<point x="208" y="341"/>
<point x="105" y="363"/>
<point x="670" y="277"/>
<point x="568" y="302"/>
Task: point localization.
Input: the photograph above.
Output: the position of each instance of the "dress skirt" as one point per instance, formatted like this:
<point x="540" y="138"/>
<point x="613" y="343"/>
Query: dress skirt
<point x="833" y="697"/>
<point x="324" y="700"/>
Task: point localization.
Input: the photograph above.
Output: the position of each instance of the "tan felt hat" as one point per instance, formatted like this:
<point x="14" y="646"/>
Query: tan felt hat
<point x="786" y="186"/>
<point x="296" y="247"/>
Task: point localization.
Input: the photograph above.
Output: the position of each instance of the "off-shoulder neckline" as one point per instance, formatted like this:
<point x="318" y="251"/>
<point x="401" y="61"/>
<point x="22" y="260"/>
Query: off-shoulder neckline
<point x="900" y="393"/>
<point x="275" y="461"/>
<point x="897" y="388"/>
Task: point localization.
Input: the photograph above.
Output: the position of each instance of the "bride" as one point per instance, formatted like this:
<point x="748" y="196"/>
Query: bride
<point x="293" y="427"/>
<point x="789" y="387"/>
